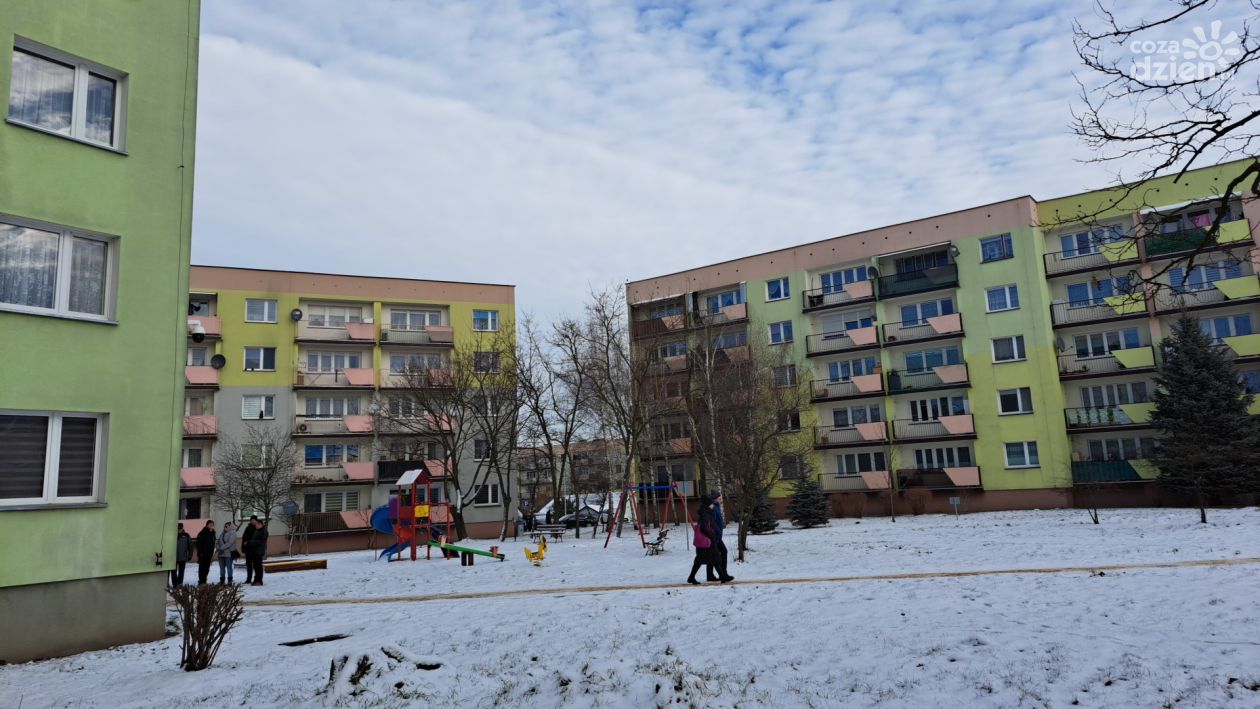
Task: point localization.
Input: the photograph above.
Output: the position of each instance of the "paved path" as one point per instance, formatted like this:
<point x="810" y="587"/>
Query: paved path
<point x="296" y="602"/>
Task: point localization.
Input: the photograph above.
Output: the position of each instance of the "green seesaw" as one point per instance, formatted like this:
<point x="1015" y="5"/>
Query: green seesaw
<point x="493" y="553"/>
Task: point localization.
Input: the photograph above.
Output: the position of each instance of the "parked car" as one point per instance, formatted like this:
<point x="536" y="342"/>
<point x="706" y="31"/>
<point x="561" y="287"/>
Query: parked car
<point x="585" y="517"/>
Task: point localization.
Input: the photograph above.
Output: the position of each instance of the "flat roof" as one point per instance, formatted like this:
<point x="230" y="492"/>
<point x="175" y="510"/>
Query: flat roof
<point x="352" y="275"/>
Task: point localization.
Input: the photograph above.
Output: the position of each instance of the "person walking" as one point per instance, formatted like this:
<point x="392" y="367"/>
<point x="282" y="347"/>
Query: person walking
<point x="183" y="552"/>
<point x="226" y="546"/>
<point x="255" y="550"/>
<point x="205" y="552"/>
<point x="703" y="540"/>
<point x="245" y="535"/>
<point x="719" y="548"/>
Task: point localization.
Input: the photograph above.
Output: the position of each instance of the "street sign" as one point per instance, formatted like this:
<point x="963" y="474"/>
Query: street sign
<point x="955" y="501"/>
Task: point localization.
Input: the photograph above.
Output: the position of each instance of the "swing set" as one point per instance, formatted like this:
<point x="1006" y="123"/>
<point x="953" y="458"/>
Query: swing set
<point x="674" y="496"/>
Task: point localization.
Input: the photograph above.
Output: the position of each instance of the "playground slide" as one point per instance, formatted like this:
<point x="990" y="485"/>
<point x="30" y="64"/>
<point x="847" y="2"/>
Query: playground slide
<point x="380" y="522"/>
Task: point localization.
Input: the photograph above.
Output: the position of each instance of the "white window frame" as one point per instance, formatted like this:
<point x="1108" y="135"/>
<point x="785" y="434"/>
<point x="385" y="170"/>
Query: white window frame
<point x="785" y="289"/>
<point x="269" y="306"/>
<point x="342" y="497"/>
<point x="262" y="359"/>
<point x="1029" y="449"/>
<point x="343" y="455"/>
<point x="851" y="471"/>
<point x="345" y="403"/>
<point x="61" y="293"/>
<point x="266" y="401"/>
<point x="425" y="315"/>
<point x="1024" y="401"/>
<point x="787" y="380"/>
<point x="78" y="104"/>
<point x="1017" y="345"/>
<point x="52" y="461"/>
<point x="192" y="356"/>
<point x="427" y="359"/>
<point x="201" y="452"/>
<point x="1006" y="290"/>
<point x="493" y="495"/>
<point x="325" y="311"/>
<point x="1008" y="247"/>
<point x="491" y="318"/>
<point x="785" y="332"/>
<point x="331" y="356"/>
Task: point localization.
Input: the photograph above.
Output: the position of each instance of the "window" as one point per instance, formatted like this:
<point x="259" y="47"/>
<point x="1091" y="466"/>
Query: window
<point x="846" y="370"/>
<point x="1202" y="276"/>
<point x="849" y="416"/>
<point x="405" y="408"/>
<point x="1226" y="326"/>
<point x="1009" y="349"/>
<point x="780" y="332"/>
<point x="485" y="320"/>
<point x="857" y="463"/>
<point x="50" y="458"/>
<point x="933" y="458"/>
<point x="258" y="406"/>
<point x="996" y="248"/>
<point x="672" y="349"/>
<point x="330" y="455"/>
<point x="778" y="289"/>
<point x="1250" y="381"/>
<point x="1015" y="401"/>
<point x="331" y="407"/>
<point x="1001" y="298"/>
<point x="785" y="375"/>
<point x="714" y="303"/>
<point x="192" y="458"/>
<point x="791" y="467"/>
<point x="1120" y="449"/>
<point x="729" y="340"/>
<point x="198" y="306"/>
<point x="486" y="362"/>
<point x="332" y="361"/>
<point x="51" y="270"/>
<point x="1100" y="344"/>
<point x="198" y="406"/>
<point x="413" y="319"/>
<point x="925" y="360"/>
<point x="331" y="502"/>
<point x="57" y="93"/>
<point x="1089" y="242"/>
<point x="402" y="363"/>
<point x="260" y="310"/>
<point x="256" y="455"/>
<point x="487" y="494"/>
<point x="260" y="359"/>
<point x="790" y="421"/>
<point x="1096" y="292"/>
<point x="835" y="281"/>
<point x="1102" y="396"/>
<point x="914" y="266"/>
<point x="1022" y="455"/>
<point x="664" y="311"/>
<point x="933" y="408"/>
<point x="197" y="357"/>
<point x="918" y="313"/>
<point x="334" y="316"/>
<point x="481" y="449"/>
<point x="669" y="390"/>
<point x="671" y="431"/>
<point x="190" y="508"/>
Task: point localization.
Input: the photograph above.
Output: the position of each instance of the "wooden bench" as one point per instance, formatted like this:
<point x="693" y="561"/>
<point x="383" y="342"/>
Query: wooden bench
<point x="555" y="531"/>
<point x="656" y="546"/>
<point x="272" y="567"/>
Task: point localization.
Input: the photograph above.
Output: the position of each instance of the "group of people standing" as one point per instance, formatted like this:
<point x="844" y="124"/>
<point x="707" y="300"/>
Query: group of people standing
<point x="208" y="546"/>
<point x="708" y="528"/>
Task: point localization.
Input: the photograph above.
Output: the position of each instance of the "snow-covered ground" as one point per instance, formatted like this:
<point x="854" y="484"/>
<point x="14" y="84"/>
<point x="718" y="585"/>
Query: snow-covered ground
<point x="1146" y="637"/>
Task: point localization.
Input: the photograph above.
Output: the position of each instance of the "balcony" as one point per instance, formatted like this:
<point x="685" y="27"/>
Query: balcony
<point x="1117" y="362"/>
<point x="209" y="323"/>
<point x="940" y="327"/>
<point x="938" y="478"/>
<point x="659" y="327"/>
<point x="858" y="387"/>
<point x="1169" y="244"/>
<point x="432" y="335"/>
<point x="423" y="379"/>
<point x="911" y="282"/>
<point x="1087" y="472"/>
<point x="671" y="448"/>
<point x="946" y="376"/>
<point x="874" y="480"/>
<point x="829" y="297"/>
<point x="848" y="341"/>
<point x="675" y="364"/>
<point x="197" y="377"/>
<point x="1114" y="307"/>
<point x="960" y="426"/>
<point x="363" y="333"/>
<point x="201" y="427"/>
<point x="726" y="316"/>
<point x="861" y="434"/>
<point x="1228" y="291"/>
<point x="358" y="378"/>
<point x="194" y="478"/>
<point x="1109" y="418"/>
<point x="349" y="425"/>
<point x="1116" y="253"/>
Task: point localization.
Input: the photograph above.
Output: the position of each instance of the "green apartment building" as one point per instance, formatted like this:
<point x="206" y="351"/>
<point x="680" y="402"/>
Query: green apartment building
<point x="1002" y="355"/>
<point x="96" y="177"/>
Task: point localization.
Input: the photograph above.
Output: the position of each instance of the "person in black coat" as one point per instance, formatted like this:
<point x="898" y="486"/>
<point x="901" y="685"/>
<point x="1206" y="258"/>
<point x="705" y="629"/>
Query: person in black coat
<point x="704" y="555"/>
<point x="183" y="552"/>
<point x="205" y="552"/>
<point x="245" y="535"/>
<point x="255" y="550"/>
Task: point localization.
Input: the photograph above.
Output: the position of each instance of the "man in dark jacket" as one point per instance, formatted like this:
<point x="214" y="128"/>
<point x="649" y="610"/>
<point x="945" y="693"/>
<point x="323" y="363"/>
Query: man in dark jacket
<point x="205" y="552"/>
<point x="255" y="550"/>
<point x="245" y="535"/>
<point x="719" y="547"/>
<point x="183" y="552"/>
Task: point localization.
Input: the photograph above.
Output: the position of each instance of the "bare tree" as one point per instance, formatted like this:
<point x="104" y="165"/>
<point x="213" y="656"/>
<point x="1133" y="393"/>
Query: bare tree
<point x="254" y="472"/>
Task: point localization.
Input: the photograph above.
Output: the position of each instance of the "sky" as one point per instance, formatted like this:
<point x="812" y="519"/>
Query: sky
<point x="560" y="146"/>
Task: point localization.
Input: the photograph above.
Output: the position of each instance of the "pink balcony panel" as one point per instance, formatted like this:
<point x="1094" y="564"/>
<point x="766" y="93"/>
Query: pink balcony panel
<point x="859" y="289"/>
<point x="876" y="431"/>
<point x="360" y="377"/>
<point x="209" y="323"/>
<point x="946" y="324"/>
<point x="738" y="311"/>
<point x="196" y="477"/>
<point x="876" y="480"/>
<point x="673" y="322"/>
<point x="356" y="519"/>
<point x="958" y="425"/>
<point x="964" y="477"/>
<point x="737" y="354"/>
<point x="361" y="330"/>
<point x="201" y="375"/>
<point x="200" y="425"/>
<point x="437" y="468"/>
<point x="440" y="333"/>
<point x="867" y="383"/>
<point x="863" y="336"/>
<point x="680" y="446"/>
<point x="360" y="471"/>
<point x="358" y="423"/>
<point x="676" y="363"/>
<point x="951" y="373"/>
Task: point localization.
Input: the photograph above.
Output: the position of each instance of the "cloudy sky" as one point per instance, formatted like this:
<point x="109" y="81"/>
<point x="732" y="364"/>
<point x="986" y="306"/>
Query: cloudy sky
<point x="555" y="145"/>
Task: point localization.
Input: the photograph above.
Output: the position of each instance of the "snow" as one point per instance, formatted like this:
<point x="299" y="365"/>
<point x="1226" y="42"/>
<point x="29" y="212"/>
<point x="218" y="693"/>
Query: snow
<point x="1180" y="636"/>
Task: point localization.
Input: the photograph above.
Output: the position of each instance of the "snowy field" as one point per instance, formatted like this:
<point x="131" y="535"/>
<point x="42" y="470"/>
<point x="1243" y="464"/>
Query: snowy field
<point x="1144" y="637"/>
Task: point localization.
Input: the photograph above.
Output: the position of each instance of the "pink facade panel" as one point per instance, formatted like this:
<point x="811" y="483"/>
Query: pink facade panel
<point x="196" y="477"/>
<point x="868" y="383"/>
<point x="201" y="375"/>
<point x="441" y="333"/>
<point x="872" y="431"/>
<point x="200" y="426"/>
<point x="209" y="323"/>
<point x="361" y="330"/>
<point x="958" y="425"/>
<point x="863" y="336"/>
<point x="946" y="324"/>
<point x="358" y="423"/>
<point x="360" y="471"/>
<point x="859" y="289"/>
<point x="360" y="377"/>
<point x="877" y="479"/>
<point x="964" y="477"/>
<point x="951" y="373"/>
<point x="356" y="519"/>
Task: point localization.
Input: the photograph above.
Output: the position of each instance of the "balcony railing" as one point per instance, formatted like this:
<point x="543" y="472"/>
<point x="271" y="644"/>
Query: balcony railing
<point x="422" y="379"/>
<point x="937" y="327"/>
<point x="1072" y="313"/>
<point x="863" y="434"/>
<point x="364" y="332"/>
<point x="669" y="365"/>
<point x="1073" y="364"/>
<point x="938" y="478"/>
<point x="1168" y="301"/>
<point x="1104" y="471"/>
<point x="958" y="426"/>
<point x="203" y="426"/>
<point x="865" y="385"/>
<point x="671" y="448"/>
<point x="431" y="335"/>
<point x="1101" y="417"/>
<point x="899" y="284"/>
<point x="1166" y="243"/>
<point x="656" y="327"/>
<point x="831" y="482"/>
<point x="946" y="376"/>
<point x="857" y="339"/>
<point x="209" y="323"/>
<point x="339" y="379"/>
<point x="349" y="424"/>
<point x="727" y="315"/>
<point x="831" y="297"/>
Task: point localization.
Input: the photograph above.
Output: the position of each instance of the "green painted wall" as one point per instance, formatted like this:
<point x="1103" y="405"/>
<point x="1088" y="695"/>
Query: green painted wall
<point x="1161" y="191"/>
<point x="132" y="370"/>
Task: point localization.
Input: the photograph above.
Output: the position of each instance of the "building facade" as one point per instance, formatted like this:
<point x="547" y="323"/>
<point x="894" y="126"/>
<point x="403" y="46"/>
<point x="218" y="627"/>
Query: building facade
<point x="313" y="356"/>
<point x="1000" y="355"/>
<point x="96" y="176"/>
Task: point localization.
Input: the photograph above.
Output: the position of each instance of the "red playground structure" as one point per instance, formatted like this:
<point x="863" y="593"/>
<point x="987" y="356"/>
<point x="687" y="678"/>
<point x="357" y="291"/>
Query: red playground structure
<point x="674" y="496"/>
<point x="416" y="520"/>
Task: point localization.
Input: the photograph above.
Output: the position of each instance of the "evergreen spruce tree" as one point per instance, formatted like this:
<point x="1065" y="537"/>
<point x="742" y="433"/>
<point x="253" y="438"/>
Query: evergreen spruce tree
<point x="808" y="507"/>
<point x="763" y="520"/>
<point x="1209" y="443"/>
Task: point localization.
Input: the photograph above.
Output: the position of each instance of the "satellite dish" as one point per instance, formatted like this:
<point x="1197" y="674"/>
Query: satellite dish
<point x="296" y="314"/>
<point x="218" y="361"/>
<point x="289" y="507"/>
<point x="1059" y="344"/>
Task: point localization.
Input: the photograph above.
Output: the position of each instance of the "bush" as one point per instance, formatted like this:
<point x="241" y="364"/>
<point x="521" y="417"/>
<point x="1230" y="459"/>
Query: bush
<point x="918" y="500"/>
<point x="206" y="614"/>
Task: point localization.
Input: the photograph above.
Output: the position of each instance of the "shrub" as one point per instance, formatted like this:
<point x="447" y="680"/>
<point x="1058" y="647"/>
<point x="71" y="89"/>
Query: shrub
<point x="206" y="614"/>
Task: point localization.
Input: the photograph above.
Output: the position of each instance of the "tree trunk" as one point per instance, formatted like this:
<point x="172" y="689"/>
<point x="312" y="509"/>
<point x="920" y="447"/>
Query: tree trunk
<point x="742" y="543"/>
<point x="1202" y="508"/>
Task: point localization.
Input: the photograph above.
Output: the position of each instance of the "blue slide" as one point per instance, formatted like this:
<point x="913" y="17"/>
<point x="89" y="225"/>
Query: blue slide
<point x="381" y="523"/>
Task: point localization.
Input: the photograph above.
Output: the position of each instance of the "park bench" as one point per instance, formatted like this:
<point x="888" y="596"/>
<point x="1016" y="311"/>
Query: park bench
<point x="656" y="546"/>
<point x="555" y="531"/>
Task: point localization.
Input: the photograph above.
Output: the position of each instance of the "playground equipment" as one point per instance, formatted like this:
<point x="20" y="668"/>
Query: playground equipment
<point x="412" y="512"/>
<point x="675" y="495"/>
<point x="536" y="557"/>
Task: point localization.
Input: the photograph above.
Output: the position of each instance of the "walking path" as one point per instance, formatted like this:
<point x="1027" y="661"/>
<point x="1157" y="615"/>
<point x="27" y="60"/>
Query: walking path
<point x="297" y="602"/>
